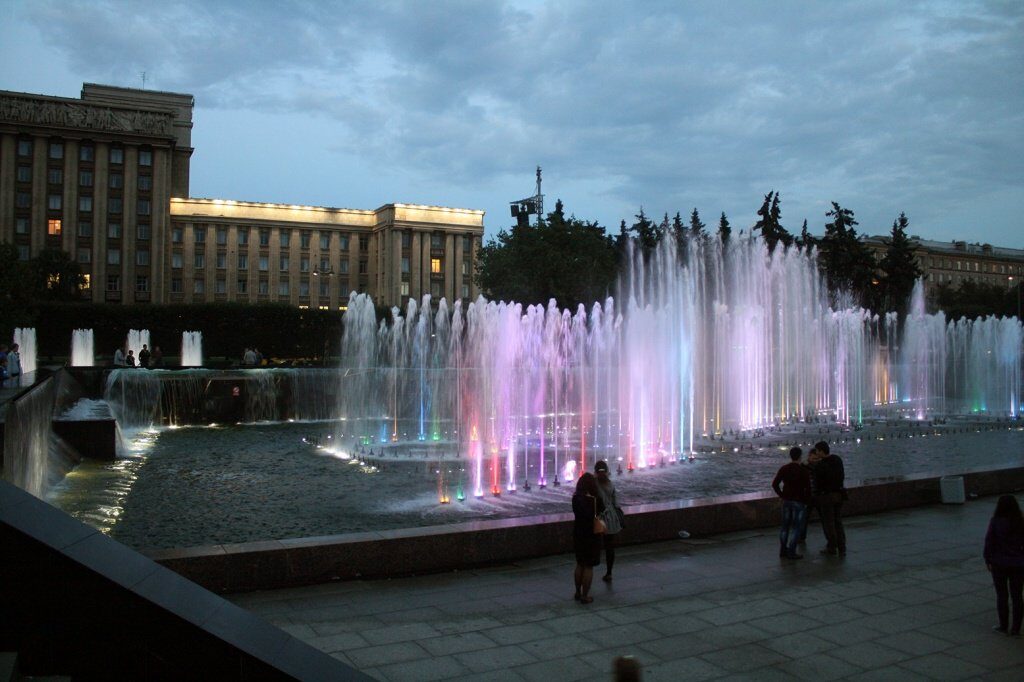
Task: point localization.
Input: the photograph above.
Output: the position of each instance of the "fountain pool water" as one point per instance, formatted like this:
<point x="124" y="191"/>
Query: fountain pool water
<point x="82" y="353"/>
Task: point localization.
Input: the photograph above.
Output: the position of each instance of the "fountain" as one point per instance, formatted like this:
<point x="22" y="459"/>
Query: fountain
<point x="26" y="340"/>
<point x="191" y="349"/>
<point x="135" y="341"/>
<point x="82" y="353"/>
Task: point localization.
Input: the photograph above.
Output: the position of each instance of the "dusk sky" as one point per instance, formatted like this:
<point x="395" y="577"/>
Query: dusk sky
<point x="881" y="106"/>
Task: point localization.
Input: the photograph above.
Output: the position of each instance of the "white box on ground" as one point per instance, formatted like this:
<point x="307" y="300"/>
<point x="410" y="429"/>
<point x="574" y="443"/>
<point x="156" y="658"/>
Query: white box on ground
<point x="951" y="488"/>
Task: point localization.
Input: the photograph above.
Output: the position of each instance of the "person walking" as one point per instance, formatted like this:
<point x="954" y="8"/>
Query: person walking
<point x="1004" y="558"/>
<point x="830" y="479"/>
<point x="613" y="517"/>
<point x="13" y="364"/>
<point x="144" y="355"/>
<point x="586" y="507"/>
<point x="793" y="484"/>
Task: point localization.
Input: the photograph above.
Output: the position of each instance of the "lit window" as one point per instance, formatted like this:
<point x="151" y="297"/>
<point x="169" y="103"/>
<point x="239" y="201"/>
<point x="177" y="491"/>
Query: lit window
<point x="435" y="266"/>
<point x="53" y="227"/>
<point x="86" y="282"/>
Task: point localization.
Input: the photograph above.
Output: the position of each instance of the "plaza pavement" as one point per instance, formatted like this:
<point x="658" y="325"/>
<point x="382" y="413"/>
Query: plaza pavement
<point x="912" y="600"/>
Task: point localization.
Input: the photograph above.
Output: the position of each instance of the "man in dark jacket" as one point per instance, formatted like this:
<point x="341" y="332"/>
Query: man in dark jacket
<point x="793" y="484"/>
<point x="829" y="483"/>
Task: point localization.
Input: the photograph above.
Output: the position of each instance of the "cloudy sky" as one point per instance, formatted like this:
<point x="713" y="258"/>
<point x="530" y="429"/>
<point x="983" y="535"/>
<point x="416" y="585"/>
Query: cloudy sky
<point x="882" y="106"/>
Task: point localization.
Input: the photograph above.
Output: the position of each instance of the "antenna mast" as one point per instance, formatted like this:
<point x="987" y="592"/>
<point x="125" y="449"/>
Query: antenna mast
<point x="522" y="209"/>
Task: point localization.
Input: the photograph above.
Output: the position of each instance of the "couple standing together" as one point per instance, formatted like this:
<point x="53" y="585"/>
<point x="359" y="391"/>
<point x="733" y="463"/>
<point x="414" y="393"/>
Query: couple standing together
<point x="598" y="519"/>
<point x="819" y="484"/>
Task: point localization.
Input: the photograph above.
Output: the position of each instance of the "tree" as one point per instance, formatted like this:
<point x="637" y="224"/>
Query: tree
<point x="975" y="299"/>
<point x="769" y="222"/>
<point x="679" y="233"/>
<point x="696" y="226"/>
<point x="15" y="291"/>
<point x="646" y="234"/>
<point x="899" y="268"/>
<point x="847" y="263"/>
<point x="806" y="240"/>
<point x="55" y="276"/>
<point x="724" y="229"/>
<point x="568" y="259"/>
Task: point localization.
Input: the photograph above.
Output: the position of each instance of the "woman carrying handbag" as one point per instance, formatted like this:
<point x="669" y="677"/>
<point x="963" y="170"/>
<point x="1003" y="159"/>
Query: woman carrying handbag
<point x="588" y="528"/>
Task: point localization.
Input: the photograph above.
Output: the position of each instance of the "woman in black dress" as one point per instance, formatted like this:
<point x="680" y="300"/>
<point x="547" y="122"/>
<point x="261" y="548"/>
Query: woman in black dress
<point x="586" y="505"/>
<point x="1004" y="558"/>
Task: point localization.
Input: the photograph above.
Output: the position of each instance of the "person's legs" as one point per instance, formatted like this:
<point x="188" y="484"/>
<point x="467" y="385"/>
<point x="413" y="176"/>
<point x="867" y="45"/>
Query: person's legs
<point x="798" y="515"/>
<point x="838" y="525"/>
<point x="1016" y="585"/>
<point x="1001" y="581"/>
<point x="828" y="522"/>
<point x="578" y="578"/>
<point x="786" y="529"/>
<point x="586" y="577"/>
<point x="609" y="554"/>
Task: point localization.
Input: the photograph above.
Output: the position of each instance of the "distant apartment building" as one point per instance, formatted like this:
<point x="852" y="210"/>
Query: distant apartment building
<point x="105" y="178"/>
<point x="955" y="262"/>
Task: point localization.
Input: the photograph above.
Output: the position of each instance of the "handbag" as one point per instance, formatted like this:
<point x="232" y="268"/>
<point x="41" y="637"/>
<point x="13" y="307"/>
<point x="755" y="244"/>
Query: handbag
<point x="600" y="528"/>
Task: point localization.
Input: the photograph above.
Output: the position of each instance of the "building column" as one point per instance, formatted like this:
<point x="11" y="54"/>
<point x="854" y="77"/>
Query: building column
<point x="8" y="149"/>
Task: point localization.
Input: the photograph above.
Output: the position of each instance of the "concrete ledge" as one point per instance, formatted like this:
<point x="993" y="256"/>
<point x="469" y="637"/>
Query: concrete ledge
<point x="305" y="561"/>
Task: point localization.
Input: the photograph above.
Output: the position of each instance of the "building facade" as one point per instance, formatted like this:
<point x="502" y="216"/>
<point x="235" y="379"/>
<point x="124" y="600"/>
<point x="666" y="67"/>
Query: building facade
<point x="105" y="178"/>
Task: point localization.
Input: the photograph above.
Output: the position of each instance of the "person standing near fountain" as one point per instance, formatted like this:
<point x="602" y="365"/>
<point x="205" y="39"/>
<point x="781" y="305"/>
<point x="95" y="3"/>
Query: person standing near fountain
<point x="1004" y="559"/>
<point x="587" y="507"/>
<point x="118" y="357"/>
<point x="829" y="480"/>
<point x="13" y="365"/>
<point x="129" y="360"/>
<point x="793" y="484"/>
<point x="612" y="515"/>
<point x="144" y="356"/>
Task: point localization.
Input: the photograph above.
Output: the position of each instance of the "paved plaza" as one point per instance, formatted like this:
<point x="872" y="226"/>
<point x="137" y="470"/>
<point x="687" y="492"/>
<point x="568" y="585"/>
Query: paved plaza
<point x="912" y="600"/>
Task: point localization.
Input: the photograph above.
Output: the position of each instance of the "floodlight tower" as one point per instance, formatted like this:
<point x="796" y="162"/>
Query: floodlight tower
<point x="523" y="208"/>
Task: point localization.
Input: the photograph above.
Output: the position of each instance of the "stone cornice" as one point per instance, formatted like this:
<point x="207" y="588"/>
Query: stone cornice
<point x="44" y="111"/>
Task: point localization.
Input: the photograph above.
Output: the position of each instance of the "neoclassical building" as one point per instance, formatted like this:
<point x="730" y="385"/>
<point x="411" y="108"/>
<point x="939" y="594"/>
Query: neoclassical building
<point x="106" y="179"/>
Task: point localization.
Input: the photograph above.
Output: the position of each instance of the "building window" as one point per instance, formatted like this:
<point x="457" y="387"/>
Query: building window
<point x="243" y="286"/>
<point x="467" y="243"/>
<point x="145" y="183"/>
<point x="325" y="263"/>
<point x="343" y="269"/>
<point x="220" y="286"/>
<point x="243" y="236"/>
<point x="304" y="264"/>
<point x="113" y="282"/>
<point x="176" y="260"/>
<point x="176" y="287"/>
<point x="264" y="287"/>
<point x="222" y="260"/>
<point x="54" y="176"/>
<point x="283" y="264"/>
<point x="113" y="256"/>
<point x="85" y="204"/>
<point x="24" y="147"/>
<point x="54" y="202"/>
<point x="264" y="237"/>
<point x="23" y="252"/>
<point x="465" y="291"/>
<point x="304" y="289"/>
<point x="406" y="242"/>
<point x="116" y="155"/>
<point x="199" y="286"/>
<point x="364" y="242"/>
<point x="264" y="263"/>
<point x="86" y="282"/>
<point x="142" y="207"/>
<point x="84" y="254"/>
<point x="405" y="265"/>
<point x="436" y="267"/>
<point x="435" y="289"/>
<point x="21" y="226"/>
<point x="285" y="236"/>
<point x="53" y="227"/>
<point x="85" y="229"/>
<point x="436" y="241"/>
<point x="23" y="200"/>
<point x="222" y="236"/>
<point x="177" y="235"/>
<point x="24" y="173"/>
<point x="343" y="242"/>
<point x="115" y="181"/>
<point x="115" y="205"/>
<point x="282" y="288"/>
<point x="325" y="287"/>
<point x="86" y="152"/>
<point x="56" y="150"/>
<point x="325" y="241"/>
<point x="145" y="157"/>
<point x="142" y="231"/>
<point x="465" y="267"/>
<point x="405" y="288"/>
<point x="113" y="230"/>
<point x="362" y="267"/>
<point x="142" y="283"/>
<point x="243" y="262"/>
<point x="142" y="257"/>
<point x="304" y="239"/>
<point x="199" y="261"/>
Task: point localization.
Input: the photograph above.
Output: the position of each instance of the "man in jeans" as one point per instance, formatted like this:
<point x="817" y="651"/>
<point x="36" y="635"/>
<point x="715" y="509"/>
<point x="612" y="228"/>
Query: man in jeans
<point x="829" y="479"/>
<point x="793" y="484"/>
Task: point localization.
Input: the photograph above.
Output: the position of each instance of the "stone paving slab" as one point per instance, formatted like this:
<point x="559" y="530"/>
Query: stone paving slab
<point x="912" y="600"/>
